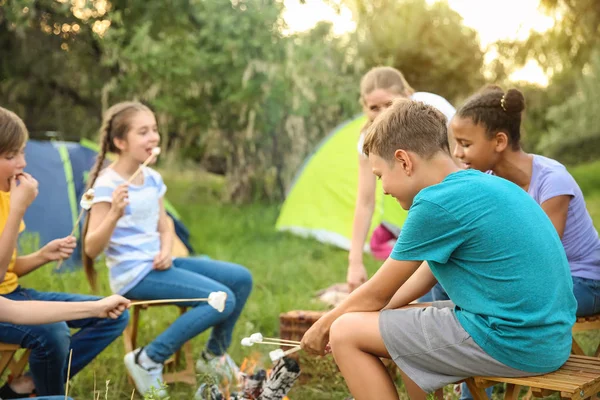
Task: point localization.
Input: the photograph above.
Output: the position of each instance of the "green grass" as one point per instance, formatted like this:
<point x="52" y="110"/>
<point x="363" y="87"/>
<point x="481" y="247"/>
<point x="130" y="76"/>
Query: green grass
<point x="287" y="271"/>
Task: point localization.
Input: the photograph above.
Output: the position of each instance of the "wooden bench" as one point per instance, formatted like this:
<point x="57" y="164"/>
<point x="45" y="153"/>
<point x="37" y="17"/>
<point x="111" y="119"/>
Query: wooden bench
<point x="585" y="324"/>
<point x="578" y="378"/>
<point x="9" y="362"/>
<point x="185" y="375"/>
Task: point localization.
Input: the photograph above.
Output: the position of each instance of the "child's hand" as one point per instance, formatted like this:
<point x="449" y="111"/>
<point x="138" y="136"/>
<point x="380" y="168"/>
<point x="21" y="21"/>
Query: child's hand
<point x="111" y="307"/>
<point x="23" y="194"/>
<point x="357" y="275"/>
<point x="162" y="261"/>
<point x="316" y="339"/>
<point x="120" y="199"/>
<point x="59" y="249"/>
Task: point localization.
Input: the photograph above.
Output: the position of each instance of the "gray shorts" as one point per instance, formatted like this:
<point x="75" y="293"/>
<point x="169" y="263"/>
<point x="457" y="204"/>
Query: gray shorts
<point x="431" y="347"/>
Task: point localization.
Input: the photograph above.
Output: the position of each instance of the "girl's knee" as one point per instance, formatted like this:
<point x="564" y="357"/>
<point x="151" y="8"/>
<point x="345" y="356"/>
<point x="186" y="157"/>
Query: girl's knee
<point x="244" y="277"/>
<point x="230" y="302"/>
<point x="122" y="321"/>
<point x="55" y="339"/>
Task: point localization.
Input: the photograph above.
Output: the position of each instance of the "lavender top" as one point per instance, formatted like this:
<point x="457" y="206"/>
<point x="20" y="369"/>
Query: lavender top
<point x="549" y="179"/>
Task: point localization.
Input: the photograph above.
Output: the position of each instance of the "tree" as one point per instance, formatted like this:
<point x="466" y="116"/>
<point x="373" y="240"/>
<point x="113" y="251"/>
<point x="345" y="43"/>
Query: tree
<point x="574" y="134"/>
<point x="562" y="117"/>
<point x="427" y="42"/>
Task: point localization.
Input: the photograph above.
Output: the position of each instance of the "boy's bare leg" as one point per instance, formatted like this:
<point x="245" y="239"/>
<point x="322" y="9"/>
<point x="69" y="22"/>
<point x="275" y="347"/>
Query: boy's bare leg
<point x="357" y="346"/>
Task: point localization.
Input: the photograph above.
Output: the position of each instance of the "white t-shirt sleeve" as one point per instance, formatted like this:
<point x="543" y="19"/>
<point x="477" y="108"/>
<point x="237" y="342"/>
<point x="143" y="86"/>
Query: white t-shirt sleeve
<point x="361" y="142"/>
<point x="104" y="188"/>
<point x="436" y="101"/>
<point x="157" y="181"/>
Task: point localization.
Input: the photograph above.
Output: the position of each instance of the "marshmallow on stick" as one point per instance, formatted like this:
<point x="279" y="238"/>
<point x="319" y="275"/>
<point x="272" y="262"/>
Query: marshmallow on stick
<point x="155" y="153"/>
<point x="215" y="299"/>
<point x="248" y="342"/>
<point x="258" y="337"/>
<point x="278" y="354"/>
<point x="85" y="204"/>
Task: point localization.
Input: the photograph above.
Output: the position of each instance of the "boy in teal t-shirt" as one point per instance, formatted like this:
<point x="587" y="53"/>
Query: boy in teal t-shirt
<point x="490" y="246"/>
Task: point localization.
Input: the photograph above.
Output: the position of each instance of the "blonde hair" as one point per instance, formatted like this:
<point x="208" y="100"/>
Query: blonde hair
<point x="115" y="125"/>
<point x="13" y="132"/>
<point x="386" y="78"/>
<point x="408" y="125"/>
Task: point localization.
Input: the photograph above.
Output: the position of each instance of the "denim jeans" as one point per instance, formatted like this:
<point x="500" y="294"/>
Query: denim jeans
<point x="436" y="293"/>
<point x="193" y="277"/>
<point x="50" y="343"/>
<point x="50" y="398"/>
<point x="587" y="293"/>
<point x="465" y="393"/>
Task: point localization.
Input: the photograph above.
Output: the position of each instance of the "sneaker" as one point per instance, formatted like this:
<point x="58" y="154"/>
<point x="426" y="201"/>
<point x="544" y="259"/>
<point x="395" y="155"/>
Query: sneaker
<point x="147" y="378"/>
<point x="223" y="367"/>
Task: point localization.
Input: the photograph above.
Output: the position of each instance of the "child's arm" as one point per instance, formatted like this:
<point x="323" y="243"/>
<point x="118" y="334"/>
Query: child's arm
<point x="46" y="312"/>
<point x="363" y="213"/>
<point x="557" y="209"/>
<point x="415" y="287"/>
<point x="103" y="220"/>
<point x="372" y="296"/>
<point x="53" y="251"/>
<point x="8" y="239"/>
<point x="166" y="228"/>
<point x="21" y="197"/>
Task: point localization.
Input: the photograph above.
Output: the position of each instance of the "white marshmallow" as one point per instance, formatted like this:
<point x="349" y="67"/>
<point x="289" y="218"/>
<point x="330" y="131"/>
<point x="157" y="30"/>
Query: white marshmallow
<point x="247" y="342"/>
<point x="276" y="354"/>
<point x="217" y="300"/>
<point x="86" y="199"/>
<point x="156" y="151"/>
<point x="256" y="337"/>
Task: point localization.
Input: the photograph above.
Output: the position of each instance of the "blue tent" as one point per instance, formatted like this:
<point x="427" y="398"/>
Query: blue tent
<point x="61" y="169"/>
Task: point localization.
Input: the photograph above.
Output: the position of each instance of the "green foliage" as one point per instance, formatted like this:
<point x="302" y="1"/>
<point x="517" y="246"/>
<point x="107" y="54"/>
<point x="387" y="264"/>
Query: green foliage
<point x="588" y="179"/>
<point x="575" y="122"/>
<point x="562" y="120"/>
<point x="231" y="90"/>
<point x="154" y="393"/>
<point x="427" y="42"/>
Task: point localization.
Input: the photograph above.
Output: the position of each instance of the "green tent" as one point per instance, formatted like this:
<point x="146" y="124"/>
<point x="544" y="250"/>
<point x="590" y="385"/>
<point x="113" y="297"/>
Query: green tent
<point x="320" y="202"/>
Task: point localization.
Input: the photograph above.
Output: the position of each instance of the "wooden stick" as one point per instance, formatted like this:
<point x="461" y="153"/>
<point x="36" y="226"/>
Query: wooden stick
<point x="277" y="343"/>
<point x="71" y="234"/>
<point x="68" y="375"/>
<point x="291" y="351"/>
<point x="141" y="302"/>
<point x="136" y="173"/>
<point x="132" y="393"/>
<point x="281" y="340"/>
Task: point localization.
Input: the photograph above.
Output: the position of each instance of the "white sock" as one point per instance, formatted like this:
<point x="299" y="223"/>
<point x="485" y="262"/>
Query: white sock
<point x="146" y="362"/>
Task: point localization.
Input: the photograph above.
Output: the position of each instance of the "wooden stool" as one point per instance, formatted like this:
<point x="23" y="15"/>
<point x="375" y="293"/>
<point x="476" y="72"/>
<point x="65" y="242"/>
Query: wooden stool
<point x="578" y="378"/>
<point x="186" y="375"/>
<point x="585" y="324"/>
<point x="8" y="361"/>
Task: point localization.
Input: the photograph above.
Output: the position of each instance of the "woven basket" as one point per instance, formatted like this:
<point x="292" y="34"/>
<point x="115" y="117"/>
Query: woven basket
<point x="293" y="324"/>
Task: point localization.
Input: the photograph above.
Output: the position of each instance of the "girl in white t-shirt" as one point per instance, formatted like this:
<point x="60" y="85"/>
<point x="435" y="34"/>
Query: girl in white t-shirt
<point x="378" y="88"/>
